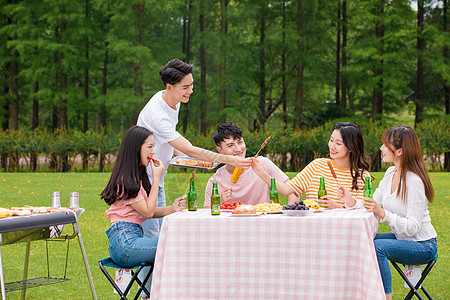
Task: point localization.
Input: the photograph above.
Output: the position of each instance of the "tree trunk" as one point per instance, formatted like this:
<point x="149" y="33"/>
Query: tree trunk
<point x="344" y="59"/>
<point x="223" y="54"/>
<point x="101" y="167"/>
<point x="188" y="54"/>
<point x="283" y="78"/>
<point x="377" y="102"/>
<point x="338" y="56"/>
<point x="420" y="75"/>
<point x="139" y="83"/>
<point x="446" y="84"/>
<point x="202" y="74"/>
<point x="86" y="88"/>
<point x="34" y="125"/>
<point x="62" y="83"/>
<point x="6" y="114"/>
<point x="262" y="69"/>
<point x="299" y="86"/>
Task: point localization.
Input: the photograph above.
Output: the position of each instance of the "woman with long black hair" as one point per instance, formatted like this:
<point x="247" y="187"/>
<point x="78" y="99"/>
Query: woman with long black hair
<point x="133" y="199"/>
<point x="348" y="161"/>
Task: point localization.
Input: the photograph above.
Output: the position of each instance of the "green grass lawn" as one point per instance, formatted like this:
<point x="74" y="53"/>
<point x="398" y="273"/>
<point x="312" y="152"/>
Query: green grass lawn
<point x="18" y="189"/>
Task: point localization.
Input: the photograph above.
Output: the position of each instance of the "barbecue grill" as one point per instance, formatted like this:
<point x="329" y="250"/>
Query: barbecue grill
<point x="39" y="227"/>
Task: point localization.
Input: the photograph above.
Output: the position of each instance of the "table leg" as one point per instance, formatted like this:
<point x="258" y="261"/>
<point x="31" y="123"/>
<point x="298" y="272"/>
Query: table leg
<point x="25" y="270"/>
<point x="86" y="263"/>
<point x="2" y="279"/>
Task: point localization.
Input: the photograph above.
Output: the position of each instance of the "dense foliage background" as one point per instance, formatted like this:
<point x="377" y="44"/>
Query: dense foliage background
<point x="72" y="67"/>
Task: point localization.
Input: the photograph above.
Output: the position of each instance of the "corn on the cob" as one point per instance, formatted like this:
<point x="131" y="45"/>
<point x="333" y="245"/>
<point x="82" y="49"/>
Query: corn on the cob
<point x="236" y="174"/>
<point x="4" y="212"/>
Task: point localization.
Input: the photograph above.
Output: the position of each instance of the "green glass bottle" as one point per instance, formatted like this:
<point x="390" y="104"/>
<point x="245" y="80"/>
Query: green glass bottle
<point x="215" y="200"/>
<point x="192" y="197"/>
<point x="273" y="192"/>
<point x="368" y="193"/>
<point x="322" y="191"/>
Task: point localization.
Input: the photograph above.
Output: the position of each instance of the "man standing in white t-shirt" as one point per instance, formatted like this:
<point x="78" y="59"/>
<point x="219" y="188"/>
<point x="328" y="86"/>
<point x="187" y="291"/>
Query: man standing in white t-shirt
<point x="160" y="115"/>
<point x="250" y="188"/>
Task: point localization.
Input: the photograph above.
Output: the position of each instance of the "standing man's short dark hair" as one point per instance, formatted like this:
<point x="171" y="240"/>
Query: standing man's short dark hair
<point x="174" y="71"/>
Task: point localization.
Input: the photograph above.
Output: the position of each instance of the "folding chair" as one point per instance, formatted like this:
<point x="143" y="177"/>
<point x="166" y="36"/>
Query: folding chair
<point x="108" y="262"/>
<point x="414" y="289"/>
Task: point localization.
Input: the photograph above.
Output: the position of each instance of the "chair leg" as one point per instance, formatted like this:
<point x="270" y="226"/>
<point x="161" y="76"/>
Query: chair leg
<point x="413" y="290"/>
<point x="142" y="284"/>
<point x="118" y="290"/>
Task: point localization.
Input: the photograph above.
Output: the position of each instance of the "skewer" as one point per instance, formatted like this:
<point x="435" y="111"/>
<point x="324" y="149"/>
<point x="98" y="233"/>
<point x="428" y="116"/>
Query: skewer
<point x="190" y="180"/>
<point x="262" y="146"/>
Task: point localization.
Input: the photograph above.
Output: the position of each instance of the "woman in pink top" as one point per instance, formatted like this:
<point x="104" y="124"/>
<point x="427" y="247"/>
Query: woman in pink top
<point x="133" y="199"/>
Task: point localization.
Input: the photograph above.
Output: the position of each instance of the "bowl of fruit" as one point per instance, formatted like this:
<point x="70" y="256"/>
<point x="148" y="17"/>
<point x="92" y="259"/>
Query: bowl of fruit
<point x="297" y="209"/>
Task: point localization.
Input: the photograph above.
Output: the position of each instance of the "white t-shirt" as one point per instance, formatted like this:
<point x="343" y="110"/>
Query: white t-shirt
<point x="160" y="118"/>
<point x="409" y="221"/>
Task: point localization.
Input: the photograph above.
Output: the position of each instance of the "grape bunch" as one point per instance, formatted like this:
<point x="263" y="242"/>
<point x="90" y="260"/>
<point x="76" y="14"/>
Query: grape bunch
<point x="296" y="206"/>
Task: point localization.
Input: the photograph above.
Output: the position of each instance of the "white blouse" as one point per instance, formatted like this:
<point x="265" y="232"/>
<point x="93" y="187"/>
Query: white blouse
<point x="411" y="220"/>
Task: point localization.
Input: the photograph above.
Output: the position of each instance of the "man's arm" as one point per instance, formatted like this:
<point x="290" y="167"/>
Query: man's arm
<point x="185" y="146"/>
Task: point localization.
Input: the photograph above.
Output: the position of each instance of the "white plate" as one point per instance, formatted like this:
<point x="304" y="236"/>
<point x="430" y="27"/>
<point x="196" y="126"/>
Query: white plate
<point x="174" y="160"/>
<point x="246" y="215"/>
<point x="272" y="212"/>
<point x="297" y="213"/>
<point x="319" y="210"/>
<point x="226" y="210"/>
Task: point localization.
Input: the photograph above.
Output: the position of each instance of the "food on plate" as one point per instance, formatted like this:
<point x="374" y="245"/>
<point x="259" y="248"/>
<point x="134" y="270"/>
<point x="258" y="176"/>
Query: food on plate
<point x="268" y="207"/>
<point x="311" y="204"/>
<point x="236" y="174"/>
<point x="298" y="205"/>
<point x="29" y="210"/>
<point x="4" y="212"/>
<point x="21" y="212"/>
<point x="230" y="205"/>
<point x="195" y="163"/>
<point x="244" y="210"/>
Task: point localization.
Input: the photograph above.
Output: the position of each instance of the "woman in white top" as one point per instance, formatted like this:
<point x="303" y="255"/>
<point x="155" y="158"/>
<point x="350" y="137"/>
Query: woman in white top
<point x="401" y="200"/>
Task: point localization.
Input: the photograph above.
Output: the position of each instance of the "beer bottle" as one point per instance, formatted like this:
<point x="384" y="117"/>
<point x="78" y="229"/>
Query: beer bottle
<point x="192" y="197"/>
<point x="322" y="191"/>
<point x="368" y="193"/>
<point x="215" y="200"/>
<point x="273" y="192"/>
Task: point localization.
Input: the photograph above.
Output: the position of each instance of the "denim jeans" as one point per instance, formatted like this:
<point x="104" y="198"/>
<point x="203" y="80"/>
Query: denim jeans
<point x="128" y="247"/>
<point x="151" y="228"/>
<point x="388" y="247"/>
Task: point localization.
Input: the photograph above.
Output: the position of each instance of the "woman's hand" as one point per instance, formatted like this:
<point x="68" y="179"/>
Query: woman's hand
<point x="157" y="167"/>
<point x="344" y="194"/>
<point x="225" y="196"/>
<point x="372" y="206"/>
<point x="328" y="203"/>
<point x="258" y="168"/>
<point x="180" y="203"/>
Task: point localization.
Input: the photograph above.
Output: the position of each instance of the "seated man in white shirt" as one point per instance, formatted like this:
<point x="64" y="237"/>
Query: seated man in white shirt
<point x="250" y="188"/>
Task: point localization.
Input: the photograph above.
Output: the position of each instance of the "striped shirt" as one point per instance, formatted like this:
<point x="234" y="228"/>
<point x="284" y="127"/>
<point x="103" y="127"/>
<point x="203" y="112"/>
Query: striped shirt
<point x="307" y="181"/>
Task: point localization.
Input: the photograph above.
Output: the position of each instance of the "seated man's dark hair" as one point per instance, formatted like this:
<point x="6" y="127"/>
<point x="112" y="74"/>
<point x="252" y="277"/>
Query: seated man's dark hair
<point x="226" y="130"/>
<point x="174" y="71"/>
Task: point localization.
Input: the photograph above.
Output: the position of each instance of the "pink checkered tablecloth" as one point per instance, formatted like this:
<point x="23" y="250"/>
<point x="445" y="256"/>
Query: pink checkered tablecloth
<point x="327" y="255"/>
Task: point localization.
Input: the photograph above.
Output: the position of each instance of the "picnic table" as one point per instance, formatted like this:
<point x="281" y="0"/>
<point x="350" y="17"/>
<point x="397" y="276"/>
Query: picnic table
<point x="326" y="255"/>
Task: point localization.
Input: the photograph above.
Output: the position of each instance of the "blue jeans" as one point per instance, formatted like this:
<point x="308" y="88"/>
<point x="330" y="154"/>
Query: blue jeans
<point x="151" y="229"/>
<point x="128" y="247"/>
<point x="388" y="247"/>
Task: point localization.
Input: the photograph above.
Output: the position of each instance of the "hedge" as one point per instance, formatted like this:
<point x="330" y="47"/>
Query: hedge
<point x="291" y="150"/>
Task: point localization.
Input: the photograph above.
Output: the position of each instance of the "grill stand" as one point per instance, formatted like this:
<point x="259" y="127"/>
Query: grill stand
<point x="34" y="232"/>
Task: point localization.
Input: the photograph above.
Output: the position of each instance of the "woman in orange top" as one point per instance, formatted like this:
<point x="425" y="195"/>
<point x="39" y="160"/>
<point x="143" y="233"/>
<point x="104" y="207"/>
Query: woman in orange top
<point x="347" y="157"/>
